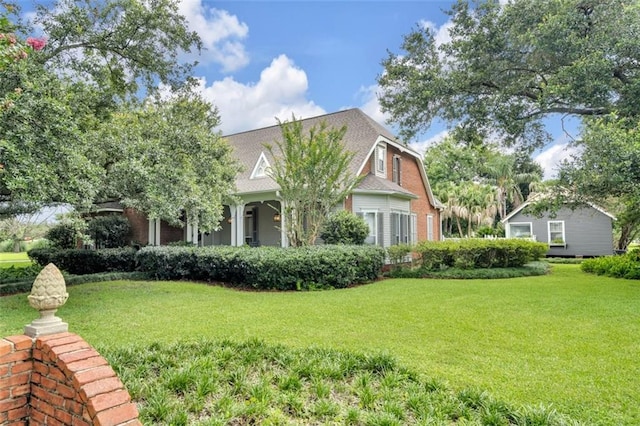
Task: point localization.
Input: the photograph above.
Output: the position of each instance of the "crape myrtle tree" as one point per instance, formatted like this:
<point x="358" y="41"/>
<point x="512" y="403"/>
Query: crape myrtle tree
<point x="95" y="72"/>
<point x="312" y="169"/>
<point x="508" y="66"/>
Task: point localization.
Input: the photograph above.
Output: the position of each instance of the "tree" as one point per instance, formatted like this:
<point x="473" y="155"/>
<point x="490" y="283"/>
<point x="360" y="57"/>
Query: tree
<point x="501" y="171"/>
<point x="475" y="181"/>
<point x="312" y="169"/>
<point x="165" y="159"/>
<point x="509" y="66"/>
<point x="101" y="59"/>
<point x="607" y="172"/>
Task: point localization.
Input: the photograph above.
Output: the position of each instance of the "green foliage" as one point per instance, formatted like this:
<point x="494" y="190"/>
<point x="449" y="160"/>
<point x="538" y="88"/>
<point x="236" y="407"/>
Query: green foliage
<point x="164" y="159"/>
<point x="527" y="270"/>
<point x="111" y="231"/>
<point x="607" y="172"/>
<point x="311" y="167"/>
<point x="63" y="236"/>
<point x="508" y="66"/>
<point x="478" y="253"/>
<point x="224" y="382"/>
<point x="13" y="274"/>
<point x="397" y="253"/>
<point x="80" y="261"/>
<point x="624" y="266"/>
<point x="266" y="268"/>
<point x="24" y="285"/>
<point x="344" y="227"/>
<point x="81" y="119"/>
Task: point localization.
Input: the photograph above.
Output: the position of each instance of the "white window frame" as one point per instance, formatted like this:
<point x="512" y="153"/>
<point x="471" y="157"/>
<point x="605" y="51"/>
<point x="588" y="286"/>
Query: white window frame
<point x="430" y="223"/>
<point x="529" y="224"/>
<point x="261" y="168"/>
<point x="381" y="160"/>
<point x="396" y="167"/>
<point x="403" y="227"/>
<point x="376" y="236"/>
<point x="550" y="238"/>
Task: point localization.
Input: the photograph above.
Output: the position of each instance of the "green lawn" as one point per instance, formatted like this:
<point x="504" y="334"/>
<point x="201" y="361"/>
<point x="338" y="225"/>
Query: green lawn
<point x="569" y="340"/>
<point x="14" y="259"/>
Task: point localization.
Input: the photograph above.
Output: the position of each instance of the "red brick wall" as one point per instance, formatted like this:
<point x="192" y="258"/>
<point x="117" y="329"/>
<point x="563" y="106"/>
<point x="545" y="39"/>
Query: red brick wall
<point x="60" y="380"/>
<point x="139" y="226"/>
<point x="411" y="179"/>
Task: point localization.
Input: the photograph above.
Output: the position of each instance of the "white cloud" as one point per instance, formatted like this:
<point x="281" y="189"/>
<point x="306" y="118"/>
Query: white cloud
<point x="369" y="104"/>
<point x="551" y="158"/>
<point x="423" y="145"/>
<point x="441" y="33"/>
<point x="280" y="92"/>
<point x="221" y="34"/>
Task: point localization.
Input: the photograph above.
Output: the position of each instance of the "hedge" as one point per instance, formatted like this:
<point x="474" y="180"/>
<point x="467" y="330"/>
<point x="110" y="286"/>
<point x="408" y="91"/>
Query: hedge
<point x="266" y="268"/>
<point x="24" y="286"/>
<point x="478" y="253"/>
<point x="80" y="262"/>
<point x="624" y="266"/>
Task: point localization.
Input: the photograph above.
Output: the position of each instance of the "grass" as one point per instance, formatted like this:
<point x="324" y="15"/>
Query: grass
<point x="568" y="339"/>
<point x="14" y="259"/>
<point x="207" y="383"/>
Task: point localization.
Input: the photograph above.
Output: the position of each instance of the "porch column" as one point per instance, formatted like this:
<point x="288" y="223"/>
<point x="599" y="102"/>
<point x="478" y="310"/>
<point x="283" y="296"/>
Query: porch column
<point x="154" y="232"/>
<point x="192" y="231"/>
<point x="237" y="224"/>
<point x="239" y="219"/>
<point x="283" y="233"/>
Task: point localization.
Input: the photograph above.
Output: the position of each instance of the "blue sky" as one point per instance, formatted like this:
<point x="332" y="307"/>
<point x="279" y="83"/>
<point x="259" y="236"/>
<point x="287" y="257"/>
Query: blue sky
<point x="268" y="59"/>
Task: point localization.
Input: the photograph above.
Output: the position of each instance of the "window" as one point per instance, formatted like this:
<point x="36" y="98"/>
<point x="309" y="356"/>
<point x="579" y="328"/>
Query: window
<point x="430" y="227"/>
<point x="556" y="233"/>
<point x="402" y="228"/>
<point x="520" y="230"/>
<point x="381" y="160"/>
<point x="396" y="171"/>
<point x="376" y="227"/>
<point x="261" y="168"/>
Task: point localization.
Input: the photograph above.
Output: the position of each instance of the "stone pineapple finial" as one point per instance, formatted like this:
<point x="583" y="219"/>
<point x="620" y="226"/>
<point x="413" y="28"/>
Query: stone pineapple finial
<point x="48" y="293"/>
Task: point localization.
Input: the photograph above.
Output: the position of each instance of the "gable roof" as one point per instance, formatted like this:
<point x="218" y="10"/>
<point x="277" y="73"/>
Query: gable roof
<point x="362" y="135"/>
<point x="532" y="199"/>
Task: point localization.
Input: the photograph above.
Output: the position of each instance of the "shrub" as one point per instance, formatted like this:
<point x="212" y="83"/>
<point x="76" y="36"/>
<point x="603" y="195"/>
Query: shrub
<point x="110" y="231"/>
<point x="62" y="236"/>
<point x="79" y="261"/>
<point x="624" y="266"/>
<point x="478" y="253"/>
<point x="398" y="253"/>
<point x="266" y="268"/>
<point x="344" y="227"/>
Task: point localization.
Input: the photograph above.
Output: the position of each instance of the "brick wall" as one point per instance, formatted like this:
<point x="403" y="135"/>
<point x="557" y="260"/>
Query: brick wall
<point x="57" y="380"/>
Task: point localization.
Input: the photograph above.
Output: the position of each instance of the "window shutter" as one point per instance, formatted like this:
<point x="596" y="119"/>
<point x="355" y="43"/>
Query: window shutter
<point x="381" y="229"/>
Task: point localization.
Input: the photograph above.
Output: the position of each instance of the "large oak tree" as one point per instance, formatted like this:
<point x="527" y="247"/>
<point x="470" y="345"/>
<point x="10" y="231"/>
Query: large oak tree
<point x="508" y="66"/>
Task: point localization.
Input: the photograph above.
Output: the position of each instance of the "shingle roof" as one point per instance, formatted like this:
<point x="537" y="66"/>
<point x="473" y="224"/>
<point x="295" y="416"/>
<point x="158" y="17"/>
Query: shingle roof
<point x="373" y="183"/>
<point x="362" y="133"/>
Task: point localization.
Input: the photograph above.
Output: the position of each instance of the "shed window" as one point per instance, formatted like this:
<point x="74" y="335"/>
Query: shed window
<point x="556" y="233"/>
<point x="520" y="230"/>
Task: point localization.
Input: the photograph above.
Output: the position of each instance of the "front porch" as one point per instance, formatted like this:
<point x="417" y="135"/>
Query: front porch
<point x="255" y="223"/>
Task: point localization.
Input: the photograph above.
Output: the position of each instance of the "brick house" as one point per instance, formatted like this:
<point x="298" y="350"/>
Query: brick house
<point x="394" y="197"/>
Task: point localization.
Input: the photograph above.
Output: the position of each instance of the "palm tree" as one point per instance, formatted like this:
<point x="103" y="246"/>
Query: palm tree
<point x="500" y="170"/>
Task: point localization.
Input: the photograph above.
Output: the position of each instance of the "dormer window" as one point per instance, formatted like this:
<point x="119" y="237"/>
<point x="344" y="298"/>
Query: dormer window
<point x="381" y="160"/>
<point x="396" y="170"/>
<point x="261" y="168"/>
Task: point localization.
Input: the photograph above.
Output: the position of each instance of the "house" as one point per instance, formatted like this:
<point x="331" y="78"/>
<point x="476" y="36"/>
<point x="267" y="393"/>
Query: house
<point x="394" y="196"/>
<point x="586" y="230"/>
